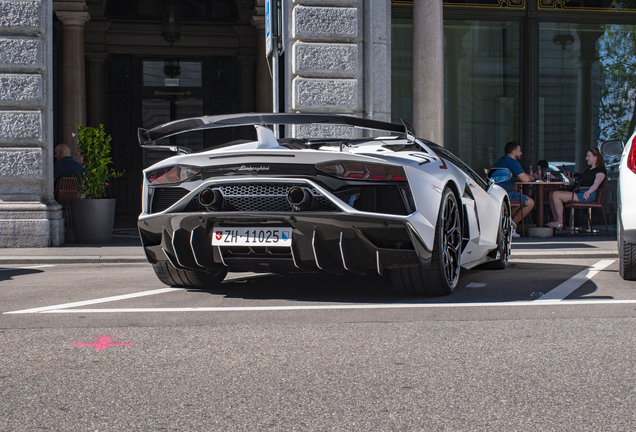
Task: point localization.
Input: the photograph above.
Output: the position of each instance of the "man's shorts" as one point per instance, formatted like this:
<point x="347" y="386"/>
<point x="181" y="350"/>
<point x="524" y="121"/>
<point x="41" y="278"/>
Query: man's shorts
<point x="514" y="197"/>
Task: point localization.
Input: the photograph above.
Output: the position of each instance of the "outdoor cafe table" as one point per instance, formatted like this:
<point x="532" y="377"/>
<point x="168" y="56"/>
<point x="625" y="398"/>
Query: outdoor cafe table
<point x="539" y="193"/>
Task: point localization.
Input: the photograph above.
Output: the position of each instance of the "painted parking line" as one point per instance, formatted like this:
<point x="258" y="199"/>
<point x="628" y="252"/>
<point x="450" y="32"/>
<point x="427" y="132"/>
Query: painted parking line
<point x="27" y="267"/>
<point x="476" y="285"/>
<point x="346" y="307"/>
<point x="553" y="297"/>
<point x="570" y="285"/>
<point x="233" y="277"/>
<point x="95" y="301"/>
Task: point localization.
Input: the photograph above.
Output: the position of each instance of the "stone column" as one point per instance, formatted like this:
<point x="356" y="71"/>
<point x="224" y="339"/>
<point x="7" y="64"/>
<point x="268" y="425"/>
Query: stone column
<point x="428" y="70"/>
<point x="73" y="73"/>
<point x="29" y="216"/>
<point x="96" y="105"/>
<point x="263" y="77"/>
<point x="324" y="63"/>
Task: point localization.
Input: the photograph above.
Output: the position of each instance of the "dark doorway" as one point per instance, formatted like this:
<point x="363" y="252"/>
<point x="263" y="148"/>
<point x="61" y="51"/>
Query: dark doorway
<point x="145" y="92"/>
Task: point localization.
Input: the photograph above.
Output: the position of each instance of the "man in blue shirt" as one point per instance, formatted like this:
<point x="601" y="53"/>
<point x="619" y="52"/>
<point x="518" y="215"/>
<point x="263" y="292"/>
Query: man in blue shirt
<point x="65" y="165"/>
<point x="511" y="161"/>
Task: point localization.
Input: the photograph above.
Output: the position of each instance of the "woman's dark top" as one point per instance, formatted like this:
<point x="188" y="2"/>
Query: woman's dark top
<point x="587" y="178"/>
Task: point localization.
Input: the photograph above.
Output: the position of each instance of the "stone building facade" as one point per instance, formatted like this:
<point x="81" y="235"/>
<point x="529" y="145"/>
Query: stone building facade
<point x="29" y="216"/>
<point x="338" y="61"/>
<point x="88" y="61"/>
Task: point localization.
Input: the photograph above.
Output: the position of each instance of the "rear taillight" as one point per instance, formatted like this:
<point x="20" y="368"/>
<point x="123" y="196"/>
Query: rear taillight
<point x="362" y="171"/>
<point x="173" y="174"/>
<point x="631" y="158"/>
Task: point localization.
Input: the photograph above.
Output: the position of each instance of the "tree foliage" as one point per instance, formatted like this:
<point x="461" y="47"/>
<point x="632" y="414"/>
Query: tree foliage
<point x="618" y="75"/>
<point x="94" y="146"/>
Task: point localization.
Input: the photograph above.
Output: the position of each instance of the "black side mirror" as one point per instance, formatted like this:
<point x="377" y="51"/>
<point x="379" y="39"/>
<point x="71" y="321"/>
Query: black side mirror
<point x="612" y="149"/>
<point x="497" y="175"/>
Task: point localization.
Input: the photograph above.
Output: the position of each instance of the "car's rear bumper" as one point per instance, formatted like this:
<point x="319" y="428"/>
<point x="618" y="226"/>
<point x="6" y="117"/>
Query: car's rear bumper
<point x="320" y="241"/>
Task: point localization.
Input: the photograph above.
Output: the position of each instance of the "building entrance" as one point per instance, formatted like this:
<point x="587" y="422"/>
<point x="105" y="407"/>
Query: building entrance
<point x="159" y="91"/>
<point x="172" y="90"/>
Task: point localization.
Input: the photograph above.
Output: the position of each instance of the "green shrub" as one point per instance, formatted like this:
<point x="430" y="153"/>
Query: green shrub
<point x="94" y="146"/>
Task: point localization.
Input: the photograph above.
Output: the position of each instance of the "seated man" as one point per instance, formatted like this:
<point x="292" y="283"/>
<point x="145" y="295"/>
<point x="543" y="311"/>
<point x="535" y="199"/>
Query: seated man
<point x="511" y="161"/>
<point x="65" y="165"/>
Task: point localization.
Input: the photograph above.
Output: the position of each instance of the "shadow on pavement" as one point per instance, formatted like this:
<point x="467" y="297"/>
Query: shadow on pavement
<point x="9" y="273"/>
<point x="523" y="281"/>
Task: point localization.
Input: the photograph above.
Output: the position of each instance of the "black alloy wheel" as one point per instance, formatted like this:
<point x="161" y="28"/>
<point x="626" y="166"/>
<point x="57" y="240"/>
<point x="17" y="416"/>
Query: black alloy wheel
<point x="504" y="241"/>
<point x="451" y="240"/>
<point x="442" y="275"/>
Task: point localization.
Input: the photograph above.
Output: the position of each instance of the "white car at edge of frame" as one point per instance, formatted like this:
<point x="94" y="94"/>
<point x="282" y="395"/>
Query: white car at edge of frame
<point x="396" y="205"/>
<point x="626" y="211"/>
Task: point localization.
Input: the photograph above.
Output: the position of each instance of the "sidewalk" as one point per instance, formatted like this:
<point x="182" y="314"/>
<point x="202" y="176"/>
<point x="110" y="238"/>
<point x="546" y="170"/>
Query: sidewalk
<point x="126" y="248"/>
<point x="560" y="246"/>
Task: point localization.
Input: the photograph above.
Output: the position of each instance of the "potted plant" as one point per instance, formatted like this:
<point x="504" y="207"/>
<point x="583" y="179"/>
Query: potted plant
<point x="93" y="215"/>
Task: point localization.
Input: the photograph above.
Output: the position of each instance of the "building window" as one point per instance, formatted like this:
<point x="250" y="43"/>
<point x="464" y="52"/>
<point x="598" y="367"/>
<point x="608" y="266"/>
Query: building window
<point x="172" y="73"/>
<point x="587" y="5"/>
<point x="587" y="77"/>
<point x="481" y="81"/>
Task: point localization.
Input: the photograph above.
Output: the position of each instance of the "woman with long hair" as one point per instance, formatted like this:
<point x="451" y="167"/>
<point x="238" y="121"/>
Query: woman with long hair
<point x="589" y="180"/>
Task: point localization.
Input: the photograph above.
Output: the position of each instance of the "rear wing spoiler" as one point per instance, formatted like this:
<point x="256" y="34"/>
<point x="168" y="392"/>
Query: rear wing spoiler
<point x="148" y="137"/>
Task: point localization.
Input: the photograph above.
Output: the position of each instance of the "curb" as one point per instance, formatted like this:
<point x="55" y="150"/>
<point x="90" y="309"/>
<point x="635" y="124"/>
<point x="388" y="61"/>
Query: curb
<point x="564" y="255"/>
<point x="97" y="259"/>
<point x="73" y="260"/>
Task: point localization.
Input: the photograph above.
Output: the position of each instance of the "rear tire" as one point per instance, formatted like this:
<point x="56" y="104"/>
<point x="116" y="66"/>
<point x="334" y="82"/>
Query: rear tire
<point x="627" y="257"/>
<point x="442" y="276"/>
<point x="504" y="241"/>
<point x="187" y="278"/>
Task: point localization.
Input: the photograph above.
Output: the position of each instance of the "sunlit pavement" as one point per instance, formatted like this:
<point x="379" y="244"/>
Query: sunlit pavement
<point x="546" y="344"/>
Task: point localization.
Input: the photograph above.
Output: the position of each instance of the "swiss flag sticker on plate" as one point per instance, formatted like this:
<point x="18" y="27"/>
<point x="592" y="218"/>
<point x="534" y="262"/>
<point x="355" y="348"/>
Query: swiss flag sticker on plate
<point x="218" y="235"/>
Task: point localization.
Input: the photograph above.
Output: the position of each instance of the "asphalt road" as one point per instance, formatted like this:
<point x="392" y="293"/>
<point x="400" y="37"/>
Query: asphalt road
<point x="542" y="345"/>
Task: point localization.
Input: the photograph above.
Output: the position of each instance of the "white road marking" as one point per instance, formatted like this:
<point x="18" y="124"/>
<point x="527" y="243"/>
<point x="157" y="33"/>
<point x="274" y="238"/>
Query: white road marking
<point x="346" y="307"/>
<point x="28" y="267"/>
<point x="245" y="275"/>
<point x="237" y="276"/>
<point x="570" y="285"/>
<point x="553" y="297"/>
<point x="90" y="302"/>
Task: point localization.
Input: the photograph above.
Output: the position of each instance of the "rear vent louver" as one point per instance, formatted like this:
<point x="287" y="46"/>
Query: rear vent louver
<point x="165" y="197"/>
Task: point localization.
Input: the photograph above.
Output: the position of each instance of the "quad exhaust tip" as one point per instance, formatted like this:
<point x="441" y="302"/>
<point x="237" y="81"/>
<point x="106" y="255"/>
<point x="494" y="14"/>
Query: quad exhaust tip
<point x="211" y="198"/>
<point x="300" y="198"/>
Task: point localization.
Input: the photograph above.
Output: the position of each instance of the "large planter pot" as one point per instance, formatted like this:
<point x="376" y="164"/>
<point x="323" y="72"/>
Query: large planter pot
<point x="93" y="220"/>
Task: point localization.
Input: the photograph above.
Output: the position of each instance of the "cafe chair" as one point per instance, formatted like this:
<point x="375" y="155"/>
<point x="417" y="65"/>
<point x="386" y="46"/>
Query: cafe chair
<point x="492" y="174"/>
<point x="598" y="203"/>
<point x="66" y="191"/>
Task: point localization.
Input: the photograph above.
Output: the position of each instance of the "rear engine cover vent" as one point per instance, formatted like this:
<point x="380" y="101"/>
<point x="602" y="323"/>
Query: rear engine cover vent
<point x="164" y="197"/>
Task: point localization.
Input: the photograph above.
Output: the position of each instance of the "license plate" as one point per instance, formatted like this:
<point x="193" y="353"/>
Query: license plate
<point x="229" y="236"/>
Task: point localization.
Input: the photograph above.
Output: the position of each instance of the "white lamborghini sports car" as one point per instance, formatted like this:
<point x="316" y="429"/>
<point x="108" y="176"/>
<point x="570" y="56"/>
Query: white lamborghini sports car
<point x="393" y="205"/>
